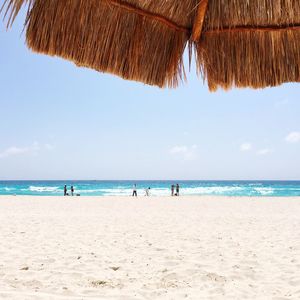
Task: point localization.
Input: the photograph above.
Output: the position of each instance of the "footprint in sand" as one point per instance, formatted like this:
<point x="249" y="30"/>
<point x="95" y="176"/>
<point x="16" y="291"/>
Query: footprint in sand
<point x="215" y="277"/>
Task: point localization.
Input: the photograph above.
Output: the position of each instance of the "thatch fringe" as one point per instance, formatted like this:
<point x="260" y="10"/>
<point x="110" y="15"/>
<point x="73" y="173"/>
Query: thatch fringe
<point x="12" y="9"/>
<point x="250" y="43"/>
<point x="111" y="36"/>
<point x="238" y="43"/>
<point x="255" y="59"/>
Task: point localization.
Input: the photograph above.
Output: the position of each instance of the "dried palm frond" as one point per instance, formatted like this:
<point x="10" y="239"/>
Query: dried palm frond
<point x="250" y="43"/>
<point x="238" y="43"/>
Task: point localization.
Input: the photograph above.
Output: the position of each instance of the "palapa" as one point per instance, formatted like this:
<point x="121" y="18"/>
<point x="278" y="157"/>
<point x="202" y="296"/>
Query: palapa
<point x="238" y="43"/>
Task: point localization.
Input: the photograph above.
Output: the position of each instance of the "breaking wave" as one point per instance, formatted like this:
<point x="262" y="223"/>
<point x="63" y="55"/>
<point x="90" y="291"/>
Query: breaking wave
<point x="42" y="189"/>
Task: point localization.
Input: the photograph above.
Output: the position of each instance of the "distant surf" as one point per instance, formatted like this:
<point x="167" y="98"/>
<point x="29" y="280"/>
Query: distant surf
<point x="158" y="188"/>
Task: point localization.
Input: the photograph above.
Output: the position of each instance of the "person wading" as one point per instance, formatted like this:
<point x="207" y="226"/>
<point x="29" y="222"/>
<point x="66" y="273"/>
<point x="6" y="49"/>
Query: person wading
<point x="65" y="190"/>
<point x="172" y="189"/>
<point x="134" y="192"/>
<point x="177" y="189"/>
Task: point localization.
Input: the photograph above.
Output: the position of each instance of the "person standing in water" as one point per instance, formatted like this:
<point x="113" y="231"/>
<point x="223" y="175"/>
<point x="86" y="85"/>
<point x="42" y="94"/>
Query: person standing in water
<point x="72" y="190"/>
<point x="147" y="192"/>
<point x="134" y="192"/>
<point x="65" y="190"/>
<point x="172" y="189"/>
<point x="177" y="189"/>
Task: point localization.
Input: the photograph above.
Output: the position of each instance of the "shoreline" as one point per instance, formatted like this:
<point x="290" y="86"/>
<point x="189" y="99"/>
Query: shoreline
<point x="150" y="197"/>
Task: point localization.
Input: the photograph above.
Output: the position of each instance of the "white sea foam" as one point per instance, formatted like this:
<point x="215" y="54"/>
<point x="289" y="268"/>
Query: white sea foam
<point x="88" y="191"/>
<point x="118" y="192"/>
<point x="264" y="190"/>
<point x="216" y="189"/>
<point x="43" y="189"/>
<point x="166" y="191"/>
<point x="140" y="192"/>
<point x="211" y="190"/>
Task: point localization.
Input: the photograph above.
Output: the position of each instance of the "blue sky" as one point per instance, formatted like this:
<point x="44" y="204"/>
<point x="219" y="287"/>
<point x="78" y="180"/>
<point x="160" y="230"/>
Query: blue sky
<point x="59" y="121"/>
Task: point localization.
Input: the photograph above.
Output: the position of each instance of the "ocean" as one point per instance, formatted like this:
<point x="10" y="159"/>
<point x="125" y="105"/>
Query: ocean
<point x="158" y="188"/>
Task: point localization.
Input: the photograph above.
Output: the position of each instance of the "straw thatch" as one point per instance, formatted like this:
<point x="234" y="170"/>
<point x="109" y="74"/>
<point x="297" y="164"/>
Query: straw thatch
<point x="250" y="43"/>
<point x="238" y="43"/>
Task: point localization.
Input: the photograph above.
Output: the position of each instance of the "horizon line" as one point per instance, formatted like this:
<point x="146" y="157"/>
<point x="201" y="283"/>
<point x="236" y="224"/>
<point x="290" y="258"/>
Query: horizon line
<point x="238" y="180"/>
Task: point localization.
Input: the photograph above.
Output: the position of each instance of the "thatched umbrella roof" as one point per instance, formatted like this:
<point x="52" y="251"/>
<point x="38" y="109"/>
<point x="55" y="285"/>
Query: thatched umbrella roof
<point x="238" y="43"/>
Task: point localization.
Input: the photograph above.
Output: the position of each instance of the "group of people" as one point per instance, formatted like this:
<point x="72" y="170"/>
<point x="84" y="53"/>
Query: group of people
<point x="134" y="191"/>
<point x="174" y="190"/>
<point x="66" y="191"/>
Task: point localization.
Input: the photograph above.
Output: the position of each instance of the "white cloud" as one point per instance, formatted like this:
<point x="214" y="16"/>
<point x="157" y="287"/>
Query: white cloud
<point x="33" y="149"/>
<point x="13" y="151"/>
<point x="186" y="152"/>
<point x="265" y="151"/>
<point x="246" y="147"/>
<point x="293" y="137"/>
<point x="178" y="149"/>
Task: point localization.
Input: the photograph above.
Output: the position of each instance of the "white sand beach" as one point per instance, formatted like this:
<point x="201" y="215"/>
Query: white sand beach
<point x="149" y="248"/>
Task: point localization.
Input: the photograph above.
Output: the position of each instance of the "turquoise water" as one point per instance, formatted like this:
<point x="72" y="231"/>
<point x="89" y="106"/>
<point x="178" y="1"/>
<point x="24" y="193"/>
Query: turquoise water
<point x="158" y="188"/>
